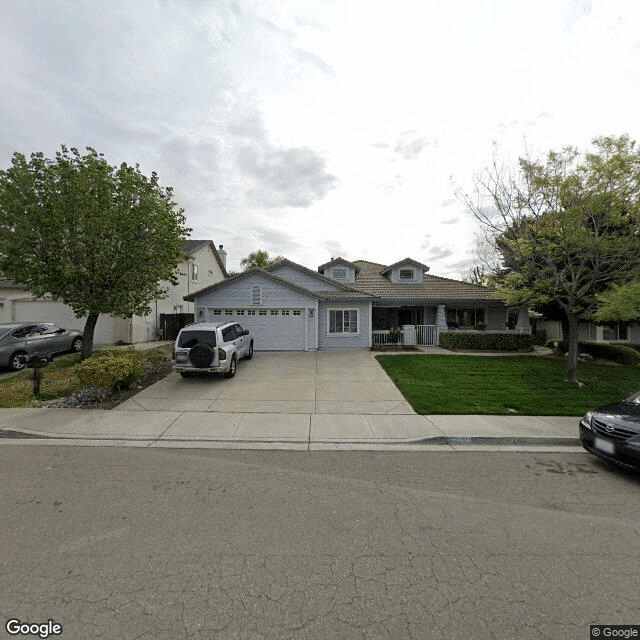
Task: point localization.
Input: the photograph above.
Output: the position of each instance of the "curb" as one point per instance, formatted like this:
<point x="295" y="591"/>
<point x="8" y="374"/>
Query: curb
<point x="22" y="434"/>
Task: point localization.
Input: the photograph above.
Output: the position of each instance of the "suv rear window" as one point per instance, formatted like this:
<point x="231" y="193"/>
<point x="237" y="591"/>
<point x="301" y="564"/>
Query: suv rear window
<point x="191" y="337"/>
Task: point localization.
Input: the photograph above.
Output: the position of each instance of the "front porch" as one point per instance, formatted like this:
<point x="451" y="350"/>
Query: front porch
<point x="421" y="325"/>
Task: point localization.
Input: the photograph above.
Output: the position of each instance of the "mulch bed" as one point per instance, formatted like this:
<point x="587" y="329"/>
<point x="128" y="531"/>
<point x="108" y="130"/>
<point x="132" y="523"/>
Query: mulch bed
<point x="91" y="398"/>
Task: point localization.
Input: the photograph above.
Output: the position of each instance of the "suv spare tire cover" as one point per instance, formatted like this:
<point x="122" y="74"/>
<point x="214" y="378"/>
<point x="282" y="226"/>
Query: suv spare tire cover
<point x="201" y="355"/>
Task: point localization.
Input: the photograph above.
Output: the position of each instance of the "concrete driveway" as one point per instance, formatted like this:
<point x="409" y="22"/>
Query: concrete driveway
<point x="283" y="382"/>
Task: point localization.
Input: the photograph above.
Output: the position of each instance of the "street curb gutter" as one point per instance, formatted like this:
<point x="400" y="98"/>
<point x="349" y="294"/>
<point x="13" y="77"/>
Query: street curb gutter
<point x="17" y="434"/>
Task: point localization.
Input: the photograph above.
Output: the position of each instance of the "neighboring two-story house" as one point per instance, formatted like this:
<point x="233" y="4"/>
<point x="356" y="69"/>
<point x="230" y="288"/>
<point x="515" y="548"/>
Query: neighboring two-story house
<point x="342" y="304"/>
<point x="202" y="266"/>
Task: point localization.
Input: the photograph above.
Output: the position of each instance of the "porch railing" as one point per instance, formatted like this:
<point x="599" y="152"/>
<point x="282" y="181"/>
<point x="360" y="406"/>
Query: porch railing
<point x="382" y="337"/>
<point x="425" y="336"/>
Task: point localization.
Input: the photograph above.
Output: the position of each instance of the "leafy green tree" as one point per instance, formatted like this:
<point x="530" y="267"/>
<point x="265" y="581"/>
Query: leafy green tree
<point x="566" y="229"/>
<point x="621" y="303"/>
<point x="258" y="258"/>
<point x="98" y="238"/>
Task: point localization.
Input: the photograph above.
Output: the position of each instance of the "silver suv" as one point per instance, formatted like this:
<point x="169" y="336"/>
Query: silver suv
<point x="211" y="347"/>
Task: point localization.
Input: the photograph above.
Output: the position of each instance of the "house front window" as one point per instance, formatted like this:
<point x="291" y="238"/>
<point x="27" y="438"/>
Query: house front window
<point x="619" y="332"/>
<point x="343" y="321"/>
<point x="465" y="318"/>
<point x="194" y="273"/>
<point x="406" y="274"/>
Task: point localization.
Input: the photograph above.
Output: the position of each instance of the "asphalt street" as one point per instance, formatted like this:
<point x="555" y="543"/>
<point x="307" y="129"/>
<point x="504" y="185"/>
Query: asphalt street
<point x="124" y="543"/>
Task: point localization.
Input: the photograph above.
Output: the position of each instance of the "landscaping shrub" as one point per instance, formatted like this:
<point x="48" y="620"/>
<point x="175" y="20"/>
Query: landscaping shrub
<point x="620" y="353"/>
<point x="111" y="369"/>
<point x="487" y="341"/>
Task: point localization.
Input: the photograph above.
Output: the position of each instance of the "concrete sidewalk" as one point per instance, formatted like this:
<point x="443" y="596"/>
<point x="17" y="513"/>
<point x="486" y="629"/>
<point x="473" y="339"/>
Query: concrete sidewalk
<point x="304" y="431"/>
<point x="293" y="400"/>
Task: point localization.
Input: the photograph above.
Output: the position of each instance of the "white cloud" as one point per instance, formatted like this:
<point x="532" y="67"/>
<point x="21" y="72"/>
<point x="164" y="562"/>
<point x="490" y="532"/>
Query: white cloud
<point x="317" y="127"/>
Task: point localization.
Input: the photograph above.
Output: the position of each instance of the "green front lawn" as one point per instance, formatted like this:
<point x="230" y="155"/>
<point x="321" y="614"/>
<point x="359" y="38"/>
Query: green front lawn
<point x="506" y="385"/>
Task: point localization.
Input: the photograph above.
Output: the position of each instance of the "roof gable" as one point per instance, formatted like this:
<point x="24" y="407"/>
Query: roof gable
<point x="193" y="246"/>
<point x="309" y="272"/>
<point x="240" y="276"/>
<point x="401" y="263"/>
<point x="338" y="261"/>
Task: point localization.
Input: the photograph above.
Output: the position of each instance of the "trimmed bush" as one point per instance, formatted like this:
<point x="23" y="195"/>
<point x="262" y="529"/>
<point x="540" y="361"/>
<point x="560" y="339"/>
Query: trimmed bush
<point x="462" y="340"/>
<point x="620" y="353"/>
<point x="111" y="370"/>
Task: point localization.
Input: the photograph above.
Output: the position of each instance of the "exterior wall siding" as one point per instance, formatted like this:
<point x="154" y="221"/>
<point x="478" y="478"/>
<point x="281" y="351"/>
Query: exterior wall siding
<point x="334" y="343"/>
<point x="209" y="273"/>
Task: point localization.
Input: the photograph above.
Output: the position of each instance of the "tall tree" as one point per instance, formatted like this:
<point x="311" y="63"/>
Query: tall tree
<point x="97" y="237"/>
<point x="567" y="229"/>
<point x="258" y="258"/>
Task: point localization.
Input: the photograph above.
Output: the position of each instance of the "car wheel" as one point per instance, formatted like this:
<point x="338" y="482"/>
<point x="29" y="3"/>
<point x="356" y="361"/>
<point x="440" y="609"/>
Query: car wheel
<point x="76" y="345"/>
<point x="17" y="361"/>
<point x="249" y="353"/>
<point x="232" y="368"/>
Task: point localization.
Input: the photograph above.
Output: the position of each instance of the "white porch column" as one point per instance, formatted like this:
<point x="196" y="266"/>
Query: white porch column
<point x="441" y="322"/>
<point x="524" y="323"/>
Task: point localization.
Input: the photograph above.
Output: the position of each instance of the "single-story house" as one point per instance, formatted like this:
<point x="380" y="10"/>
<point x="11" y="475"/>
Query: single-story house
<point x="202" y="265"/>
<point x="591" y="332"/>
<point x="345" y="304"/>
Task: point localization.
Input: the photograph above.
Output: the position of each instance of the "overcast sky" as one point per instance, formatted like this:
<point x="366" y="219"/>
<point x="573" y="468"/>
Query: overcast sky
<point x="312" y="128"/>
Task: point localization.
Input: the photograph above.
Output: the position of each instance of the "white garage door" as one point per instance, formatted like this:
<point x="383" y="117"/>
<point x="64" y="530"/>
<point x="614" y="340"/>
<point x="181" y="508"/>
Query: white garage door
<point x="272" y="329"/>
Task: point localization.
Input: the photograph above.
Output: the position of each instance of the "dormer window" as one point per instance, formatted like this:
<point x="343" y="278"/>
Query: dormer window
<point x="339" y="273"/>
<point x="406" y="274"/>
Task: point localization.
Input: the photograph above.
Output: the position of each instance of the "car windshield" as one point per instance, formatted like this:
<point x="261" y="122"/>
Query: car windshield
<point x="635" y="398"/>
<point x="4" y="329"/>
<point x="191" y="337"/>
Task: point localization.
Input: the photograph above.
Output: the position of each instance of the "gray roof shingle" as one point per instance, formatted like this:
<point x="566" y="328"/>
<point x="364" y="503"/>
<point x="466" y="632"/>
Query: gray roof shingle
<point x="370" y="280"/>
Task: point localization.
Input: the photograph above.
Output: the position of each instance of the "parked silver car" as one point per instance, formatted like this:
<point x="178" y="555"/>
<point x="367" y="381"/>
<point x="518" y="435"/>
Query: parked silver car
<point x="211" y="347"/>
<point x="19" y="340"/>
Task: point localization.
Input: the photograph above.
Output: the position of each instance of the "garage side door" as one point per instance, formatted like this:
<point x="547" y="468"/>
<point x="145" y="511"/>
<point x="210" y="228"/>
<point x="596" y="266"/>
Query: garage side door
<point x="272" y="329"/>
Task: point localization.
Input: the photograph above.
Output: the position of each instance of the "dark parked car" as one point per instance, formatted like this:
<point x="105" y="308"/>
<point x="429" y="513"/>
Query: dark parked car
<point x="613" y="432"/>
<point x="18" y="340"/>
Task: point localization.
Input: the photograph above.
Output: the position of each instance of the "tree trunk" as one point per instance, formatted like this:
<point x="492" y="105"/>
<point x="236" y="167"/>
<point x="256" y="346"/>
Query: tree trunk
<point x="89" y="328"/>
<point x="572" y="346"/>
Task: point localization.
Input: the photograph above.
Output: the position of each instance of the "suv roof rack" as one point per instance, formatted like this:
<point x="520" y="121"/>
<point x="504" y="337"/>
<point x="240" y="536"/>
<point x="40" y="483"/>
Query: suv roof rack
<point x="206" y="324"/>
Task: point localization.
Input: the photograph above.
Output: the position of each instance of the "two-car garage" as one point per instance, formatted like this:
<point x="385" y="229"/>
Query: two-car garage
<point x="280" y="329"/>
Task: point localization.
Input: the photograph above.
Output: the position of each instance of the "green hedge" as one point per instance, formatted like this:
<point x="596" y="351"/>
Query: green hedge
<point x="111" y="369"/>
<point x="620" y="353"/>
<point x="455" y="340"/>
